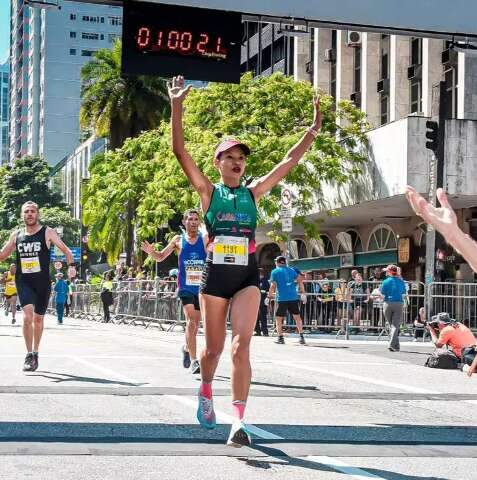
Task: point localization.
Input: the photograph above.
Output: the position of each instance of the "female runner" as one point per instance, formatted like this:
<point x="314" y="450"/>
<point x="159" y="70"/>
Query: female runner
<point x="230" y="278"/>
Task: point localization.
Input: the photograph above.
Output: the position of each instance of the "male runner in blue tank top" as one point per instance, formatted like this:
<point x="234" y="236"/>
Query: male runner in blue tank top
<point x="32" y="245"/>
<point x="190" y="248"/>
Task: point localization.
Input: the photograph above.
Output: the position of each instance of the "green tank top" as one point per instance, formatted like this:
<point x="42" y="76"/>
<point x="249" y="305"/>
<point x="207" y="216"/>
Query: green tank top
<point x="232" y="211"/>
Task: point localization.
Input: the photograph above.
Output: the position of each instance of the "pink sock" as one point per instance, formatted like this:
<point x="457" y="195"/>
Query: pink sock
<point x="239" y="409"/>
<point x="206" y="390"/>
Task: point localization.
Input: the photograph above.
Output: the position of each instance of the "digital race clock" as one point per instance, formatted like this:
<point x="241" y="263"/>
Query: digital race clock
<point x="168" y="40"/>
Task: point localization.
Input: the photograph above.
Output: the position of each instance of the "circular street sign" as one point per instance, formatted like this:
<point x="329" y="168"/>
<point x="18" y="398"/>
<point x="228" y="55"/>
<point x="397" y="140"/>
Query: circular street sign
<point x="58" y="265"/>
<point x="286" y="197"/>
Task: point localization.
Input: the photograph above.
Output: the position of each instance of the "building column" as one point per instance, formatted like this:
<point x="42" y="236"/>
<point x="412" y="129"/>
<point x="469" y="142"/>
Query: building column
<point x="431" y="72"/>
<point x="369" y="77"/>
<point x="301" y="56"/>
<point x="399" y="83"/>
<point x="344" y="67"/>
<point x="321" y="67"/>
<point x="467" y="87"/>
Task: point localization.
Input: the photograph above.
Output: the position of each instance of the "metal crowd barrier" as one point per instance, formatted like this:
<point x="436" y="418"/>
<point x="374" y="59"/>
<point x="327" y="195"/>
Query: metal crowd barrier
<point x="154" y="303"/>
<point x="352" y="309"/>
<point x="135" y="302"/>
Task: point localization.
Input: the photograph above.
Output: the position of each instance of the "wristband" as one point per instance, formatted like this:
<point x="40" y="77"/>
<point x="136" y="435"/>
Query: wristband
<point x="312" y="132"/>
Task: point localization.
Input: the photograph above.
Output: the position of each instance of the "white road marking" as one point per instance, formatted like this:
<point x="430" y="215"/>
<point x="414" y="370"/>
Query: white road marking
<point x="358" y="378"/>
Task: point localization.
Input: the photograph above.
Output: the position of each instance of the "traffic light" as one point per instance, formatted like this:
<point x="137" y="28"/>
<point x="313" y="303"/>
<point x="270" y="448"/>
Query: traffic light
<point x="432" y="135"/>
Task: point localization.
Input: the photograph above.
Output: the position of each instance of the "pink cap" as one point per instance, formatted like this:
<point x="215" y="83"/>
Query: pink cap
<point x="228" y="144"/>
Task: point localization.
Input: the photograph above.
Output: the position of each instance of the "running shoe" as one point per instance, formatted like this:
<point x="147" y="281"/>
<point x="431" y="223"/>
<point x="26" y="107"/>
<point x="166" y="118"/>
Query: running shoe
<point x="205" y="412"/>
<point x="13" y="321"/>
<point x="195" y="367"/>
<point x="301" y="341"/>
<point x="280" y="340"/>
<point x="239" y="437"/>
<point x="185" y="358"/>
<point x="27" y="366"/>
<point x="34" y="362"/>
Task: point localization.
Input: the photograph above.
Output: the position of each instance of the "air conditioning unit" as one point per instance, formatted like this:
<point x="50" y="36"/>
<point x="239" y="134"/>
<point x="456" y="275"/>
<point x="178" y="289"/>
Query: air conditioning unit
<point x="449" y="57"/>
<point x="355" y="97"/>
<point x="414" y="71"/>
<point x="383" y="85"/>
<point x="330" y="55"/>
<point x="353" y="38"/>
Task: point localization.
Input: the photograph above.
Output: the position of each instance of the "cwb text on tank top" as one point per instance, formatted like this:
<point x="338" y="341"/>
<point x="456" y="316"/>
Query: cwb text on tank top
<point x="29" y="249"/>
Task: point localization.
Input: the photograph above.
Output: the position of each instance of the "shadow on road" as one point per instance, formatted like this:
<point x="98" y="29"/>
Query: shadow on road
<point x="277" y="385"/>
<point x="57" y="377"/>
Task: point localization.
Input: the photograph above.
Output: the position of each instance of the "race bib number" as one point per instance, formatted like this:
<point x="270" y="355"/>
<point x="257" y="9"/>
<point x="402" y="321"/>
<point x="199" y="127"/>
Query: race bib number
<point x="30" y="265"/>
<point x="230" y="250"/>
<point x="193" y="275"/>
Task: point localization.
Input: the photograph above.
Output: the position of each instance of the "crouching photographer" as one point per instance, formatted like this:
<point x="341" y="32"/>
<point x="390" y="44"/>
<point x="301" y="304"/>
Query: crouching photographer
<point x="446" y="331"/>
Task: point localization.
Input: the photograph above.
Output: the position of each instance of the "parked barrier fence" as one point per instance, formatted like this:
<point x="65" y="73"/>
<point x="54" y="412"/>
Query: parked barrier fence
<point x="333" y="308"/>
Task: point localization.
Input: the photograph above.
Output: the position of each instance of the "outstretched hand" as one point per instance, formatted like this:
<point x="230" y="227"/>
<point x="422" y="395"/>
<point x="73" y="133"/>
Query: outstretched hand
<point x="443" y="219"/>
<point x="147" y="247"/>
<point x="317" y="112"/>
<point x="177" y="91"/>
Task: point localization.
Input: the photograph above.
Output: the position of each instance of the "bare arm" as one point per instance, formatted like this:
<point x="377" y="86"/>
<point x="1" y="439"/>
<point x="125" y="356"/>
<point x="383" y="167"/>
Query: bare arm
<point x="264" y="184"/>
<point x="444" y="220"/>
<point x="199" y="181"/>
<point x="272" y="290"/>
<point x="9" y="247"/>
<point x="164" y="253"/>
<point x="52" y="237"/>
<point x="301" y="285"/>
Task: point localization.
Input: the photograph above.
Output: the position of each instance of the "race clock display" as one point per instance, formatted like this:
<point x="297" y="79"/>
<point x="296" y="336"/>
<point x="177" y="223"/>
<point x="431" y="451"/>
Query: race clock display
<point x="167" y="40"/>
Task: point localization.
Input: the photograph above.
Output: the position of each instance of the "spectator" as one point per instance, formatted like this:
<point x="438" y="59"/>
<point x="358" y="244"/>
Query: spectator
<point x="327" y="304"/>
<point x="107" y="295"/>
<point x="341" y="297"/>
<point x="261" y="327"/>
<point x="393" y="290"/>
<point x="377" y="299"/>
<point x="420" y="324"/>
<point x="309" y="309"/>
<point x="359" y="296"/>
<point x="61" y="294"/>
<point x="69" y="297"/>
<point x="451" y="333"/>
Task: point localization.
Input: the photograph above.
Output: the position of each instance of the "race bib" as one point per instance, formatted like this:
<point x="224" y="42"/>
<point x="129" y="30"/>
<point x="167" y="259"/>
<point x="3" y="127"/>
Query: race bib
<point x="230" y="250"/>
<point x="30" y="265"/>
<point x="193" y="275"/>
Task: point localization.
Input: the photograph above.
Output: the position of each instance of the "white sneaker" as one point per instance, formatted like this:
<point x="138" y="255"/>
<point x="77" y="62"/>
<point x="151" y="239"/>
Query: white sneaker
<point x="239" y="437"/>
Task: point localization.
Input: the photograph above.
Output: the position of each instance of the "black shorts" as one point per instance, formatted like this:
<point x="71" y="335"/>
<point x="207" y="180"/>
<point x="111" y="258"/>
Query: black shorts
<point x="226" y="280"/>
<point x="189" y="299"/>
<point x="35" y="294"/>
<point x="292" y="306"/>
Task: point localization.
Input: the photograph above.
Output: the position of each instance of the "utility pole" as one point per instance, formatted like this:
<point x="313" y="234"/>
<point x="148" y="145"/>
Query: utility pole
<point x="436" y="142"/>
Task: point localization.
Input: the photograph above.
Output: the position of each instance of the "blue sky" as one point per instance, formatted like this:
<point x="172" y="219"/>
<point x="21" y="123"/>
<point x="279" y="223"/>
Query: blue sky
<point x="4" y="29"/>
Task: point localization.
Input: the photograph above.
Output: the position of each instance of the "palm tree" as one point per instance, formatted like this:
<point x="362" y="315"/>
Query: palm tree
<point x="120" y="107"/>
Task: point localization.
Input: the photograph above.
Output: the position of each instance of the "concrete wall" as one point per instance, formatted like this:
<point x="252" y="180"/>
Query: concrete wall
<point x="461" y="157"/>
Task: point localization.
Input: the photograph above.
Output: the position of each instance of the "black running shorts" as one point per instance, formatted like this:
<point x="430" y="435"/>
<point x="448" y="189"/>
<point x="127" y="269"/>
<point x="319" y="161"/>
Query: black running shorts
<point x="189" y="299"/>
<point x="292" y="306"/>
<point x="36" y="295"/>
<point x="226" y="280"/>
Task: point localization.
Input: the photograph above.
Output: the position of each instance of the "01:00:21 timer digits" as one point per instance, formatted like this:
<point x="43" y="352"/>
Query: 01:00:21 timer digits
<point x="181" y="43"/>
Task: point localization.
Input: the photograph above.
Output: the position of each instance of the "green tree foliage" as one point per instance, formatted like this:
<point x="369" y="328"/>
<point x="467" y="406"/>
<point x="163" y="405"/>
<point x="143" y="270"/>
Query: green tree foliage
<point x="119" y="107"/>
<point x="269" y="114"/>
<point x="27" y="180"/>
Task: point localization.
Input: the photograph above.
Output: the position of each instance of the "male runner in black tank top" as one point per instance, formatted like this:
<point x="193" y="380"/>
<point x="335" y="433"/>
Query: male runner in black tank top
<point x="32" y="246"/>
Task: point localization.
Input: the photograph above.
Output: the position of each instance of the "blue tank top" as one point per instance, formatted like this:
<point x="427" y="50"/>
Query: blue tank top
<point x="191" y="264"/>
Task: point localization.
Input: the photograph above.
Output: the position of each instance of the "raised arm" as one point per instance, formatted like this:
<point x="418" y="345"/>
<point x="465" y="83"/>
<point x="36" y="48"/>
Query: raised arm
<point x="444" y="220"/>
<point x="264" y="184"/>
<point x="9" y="247"/>
<point x="164" y="253"/>
<point x="177" y="94"/>
<point x="52" y="237"/>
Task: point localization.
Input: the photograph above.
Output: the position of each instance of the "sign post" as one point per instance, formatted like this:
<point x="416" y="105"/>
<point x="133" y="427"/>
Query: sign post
<point x="286" y="216"/>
